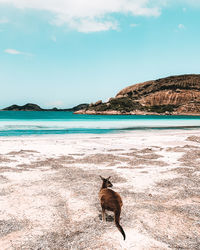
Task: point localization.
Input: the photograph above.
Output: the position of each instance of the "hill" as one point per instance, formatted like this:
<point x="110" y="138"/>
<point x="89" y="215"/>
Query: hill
<point x="35" y="107"/>
<point x="175" y="95"/>
<point x="26" y="107"/>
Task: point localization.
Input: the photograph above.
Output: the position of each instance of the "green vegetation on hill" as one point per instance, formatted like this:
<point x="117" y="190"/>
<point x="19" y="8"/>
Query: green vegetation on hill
<point x="124" y="104"/>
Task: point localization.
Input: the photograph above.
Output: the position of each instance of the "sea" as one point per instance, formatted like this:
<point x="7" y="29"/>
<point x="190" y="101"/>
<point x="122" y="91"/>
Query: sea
<point x="24" y="123"/>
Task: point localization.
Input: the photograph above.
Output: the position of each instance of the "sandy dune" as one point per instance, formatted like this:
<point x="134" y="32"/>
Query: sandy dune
<point x="49" y="190"/>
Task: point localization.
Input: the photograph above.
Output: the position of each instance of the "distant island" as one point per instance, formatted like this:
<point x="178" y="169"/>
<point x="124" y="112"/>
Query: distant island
<point x="35" y="107"/>
<point x="174" y="95"/>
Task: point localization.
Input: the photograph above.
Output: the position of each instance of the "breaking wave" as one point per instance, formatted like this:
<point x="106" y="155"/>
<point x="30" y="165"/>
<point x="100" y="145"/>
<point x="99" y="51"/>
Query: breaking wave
<point x="64" y="122"/>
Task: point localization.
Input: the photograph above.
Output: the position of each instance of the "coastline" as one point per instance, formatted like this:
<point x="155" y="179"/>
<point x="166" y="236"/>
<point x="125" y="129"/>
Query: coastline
<point x="115" y="112"/>
<point x="49" y="190"/>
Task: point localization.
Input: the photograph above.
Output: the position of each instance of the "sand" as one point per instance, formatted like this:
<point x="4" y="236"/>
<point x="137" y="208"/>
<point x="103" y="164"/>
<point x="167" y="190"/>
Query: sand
<point x="49" y="190"/>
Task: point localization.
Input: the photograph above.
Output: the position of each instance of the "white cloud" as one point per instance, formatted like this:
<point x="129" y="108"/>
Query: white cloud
<point x="90" y="15"/>
<point x="133" y="25"/>
<point x="16" y="52"/>
<point x="12" y="51"/>
<point x="87" y="26"/>
<point x="53" y="38"/>
<point x="181" y="26"/>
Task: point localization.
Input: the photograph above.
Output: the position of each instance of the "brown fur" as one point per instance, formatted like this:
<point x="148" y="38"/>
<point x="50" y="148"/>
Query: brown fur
<point x="111" y="201"/>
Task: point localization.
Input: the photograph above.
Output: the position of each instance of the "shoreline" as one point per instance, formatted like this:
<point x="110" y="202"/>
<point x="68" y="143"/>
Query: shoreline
<point x="134" y="113"/>
<point x="110" y="112"/>
<point x="110" y="132"/>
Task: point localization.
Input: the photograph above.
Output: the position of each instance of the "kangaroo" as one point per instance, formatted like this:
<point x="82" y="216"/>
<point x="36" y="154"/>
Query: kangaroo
<point x="111" y="201"/>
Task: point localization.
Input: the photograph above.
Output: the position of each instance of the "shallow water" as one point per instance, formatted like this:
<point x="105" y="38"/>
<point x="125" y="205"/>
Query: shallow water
<point x="16" y="123"/>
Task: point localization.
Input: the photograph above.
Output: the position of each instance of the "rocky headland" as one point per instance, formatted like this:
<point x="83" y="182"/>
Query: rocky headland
<point x="174" y="95"/>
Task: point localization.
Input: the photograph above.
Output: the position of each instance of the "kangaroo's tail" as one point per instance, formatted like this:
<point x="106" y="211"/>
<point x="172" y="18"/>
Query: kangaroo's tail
<point x="117" y="218"/>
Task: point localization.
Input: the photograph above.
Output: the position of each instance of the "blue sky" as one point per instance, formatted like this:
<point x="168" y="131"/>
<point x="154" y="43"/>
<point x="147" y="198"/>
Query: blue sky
<point x="66" y="52"/>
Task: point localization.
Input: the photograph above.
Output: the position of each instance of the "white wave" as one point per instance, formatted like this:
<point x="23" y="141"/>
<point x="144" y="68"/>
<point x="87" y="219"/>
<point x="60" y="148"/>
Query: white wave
<point x="98" y="124"/>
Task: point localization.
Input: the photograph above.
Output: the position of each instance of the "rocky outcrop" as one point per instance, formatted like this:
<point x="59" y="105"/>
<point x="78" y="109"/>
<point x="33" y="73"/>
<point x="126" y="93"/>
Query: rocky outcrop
<point x="171" y="95"/>
<point x="79" y="107"/>
<point x="26" y="107"/>
<point x="35" y="107"/>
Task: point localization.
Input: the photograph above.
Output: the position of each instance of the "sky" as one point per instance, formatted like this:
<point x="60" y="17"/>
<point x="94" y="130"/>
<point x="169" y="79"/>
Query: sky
<point x="60" y="53"/>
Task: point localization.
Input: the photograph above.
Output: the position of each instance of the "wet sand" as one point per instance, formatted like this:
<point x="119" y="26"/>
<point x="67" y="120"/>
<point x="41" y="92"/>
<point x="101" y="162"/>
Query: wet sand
<point x="49" y="190"/>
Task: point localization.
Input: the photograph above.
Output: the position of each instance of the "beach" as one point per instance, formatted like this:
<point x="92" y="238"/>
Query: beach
<point x="49" y="188"/>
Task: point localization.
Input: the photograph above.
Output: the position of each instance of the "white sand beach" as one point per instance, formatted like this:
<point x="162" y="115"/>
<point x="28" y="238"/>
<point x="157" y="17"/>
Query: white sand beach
<point x="49" y="190"/>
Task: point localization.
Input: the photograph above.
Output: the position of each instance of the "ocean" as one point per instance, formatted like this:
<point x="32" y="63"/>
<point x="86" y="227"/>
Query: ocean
<point x="20" y="123"/>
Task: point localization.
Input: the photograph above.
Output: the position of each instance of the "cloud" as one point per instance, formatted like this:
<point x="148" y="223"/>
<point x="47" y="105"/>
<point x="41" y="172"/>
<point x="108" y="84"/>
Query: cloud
<point x="87" y="26"/>
<point x="53" y="38"/>
<point x="90" y="15"/>
<point x="181" y="26"/>
<point x="133" y="25"/>
<point x="12" y="52"/>
<point x="16" y="52"/>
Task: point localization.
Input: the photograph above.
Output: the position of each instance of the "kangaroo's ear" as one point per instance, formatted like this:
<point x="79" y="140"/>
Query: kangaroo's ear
<point x="108" y="177"/>
<point x="101" y="177"/>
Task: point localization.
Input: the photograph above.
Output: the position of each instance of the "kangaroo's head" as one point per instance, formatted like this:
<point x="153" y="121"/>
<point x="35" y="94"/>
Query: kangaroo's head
<point x="106" y="182"/>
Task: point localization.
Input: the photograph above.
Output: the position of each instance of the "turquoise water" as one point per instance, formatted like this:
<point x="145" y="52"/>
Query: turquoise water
<point x="16" y="123"/>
